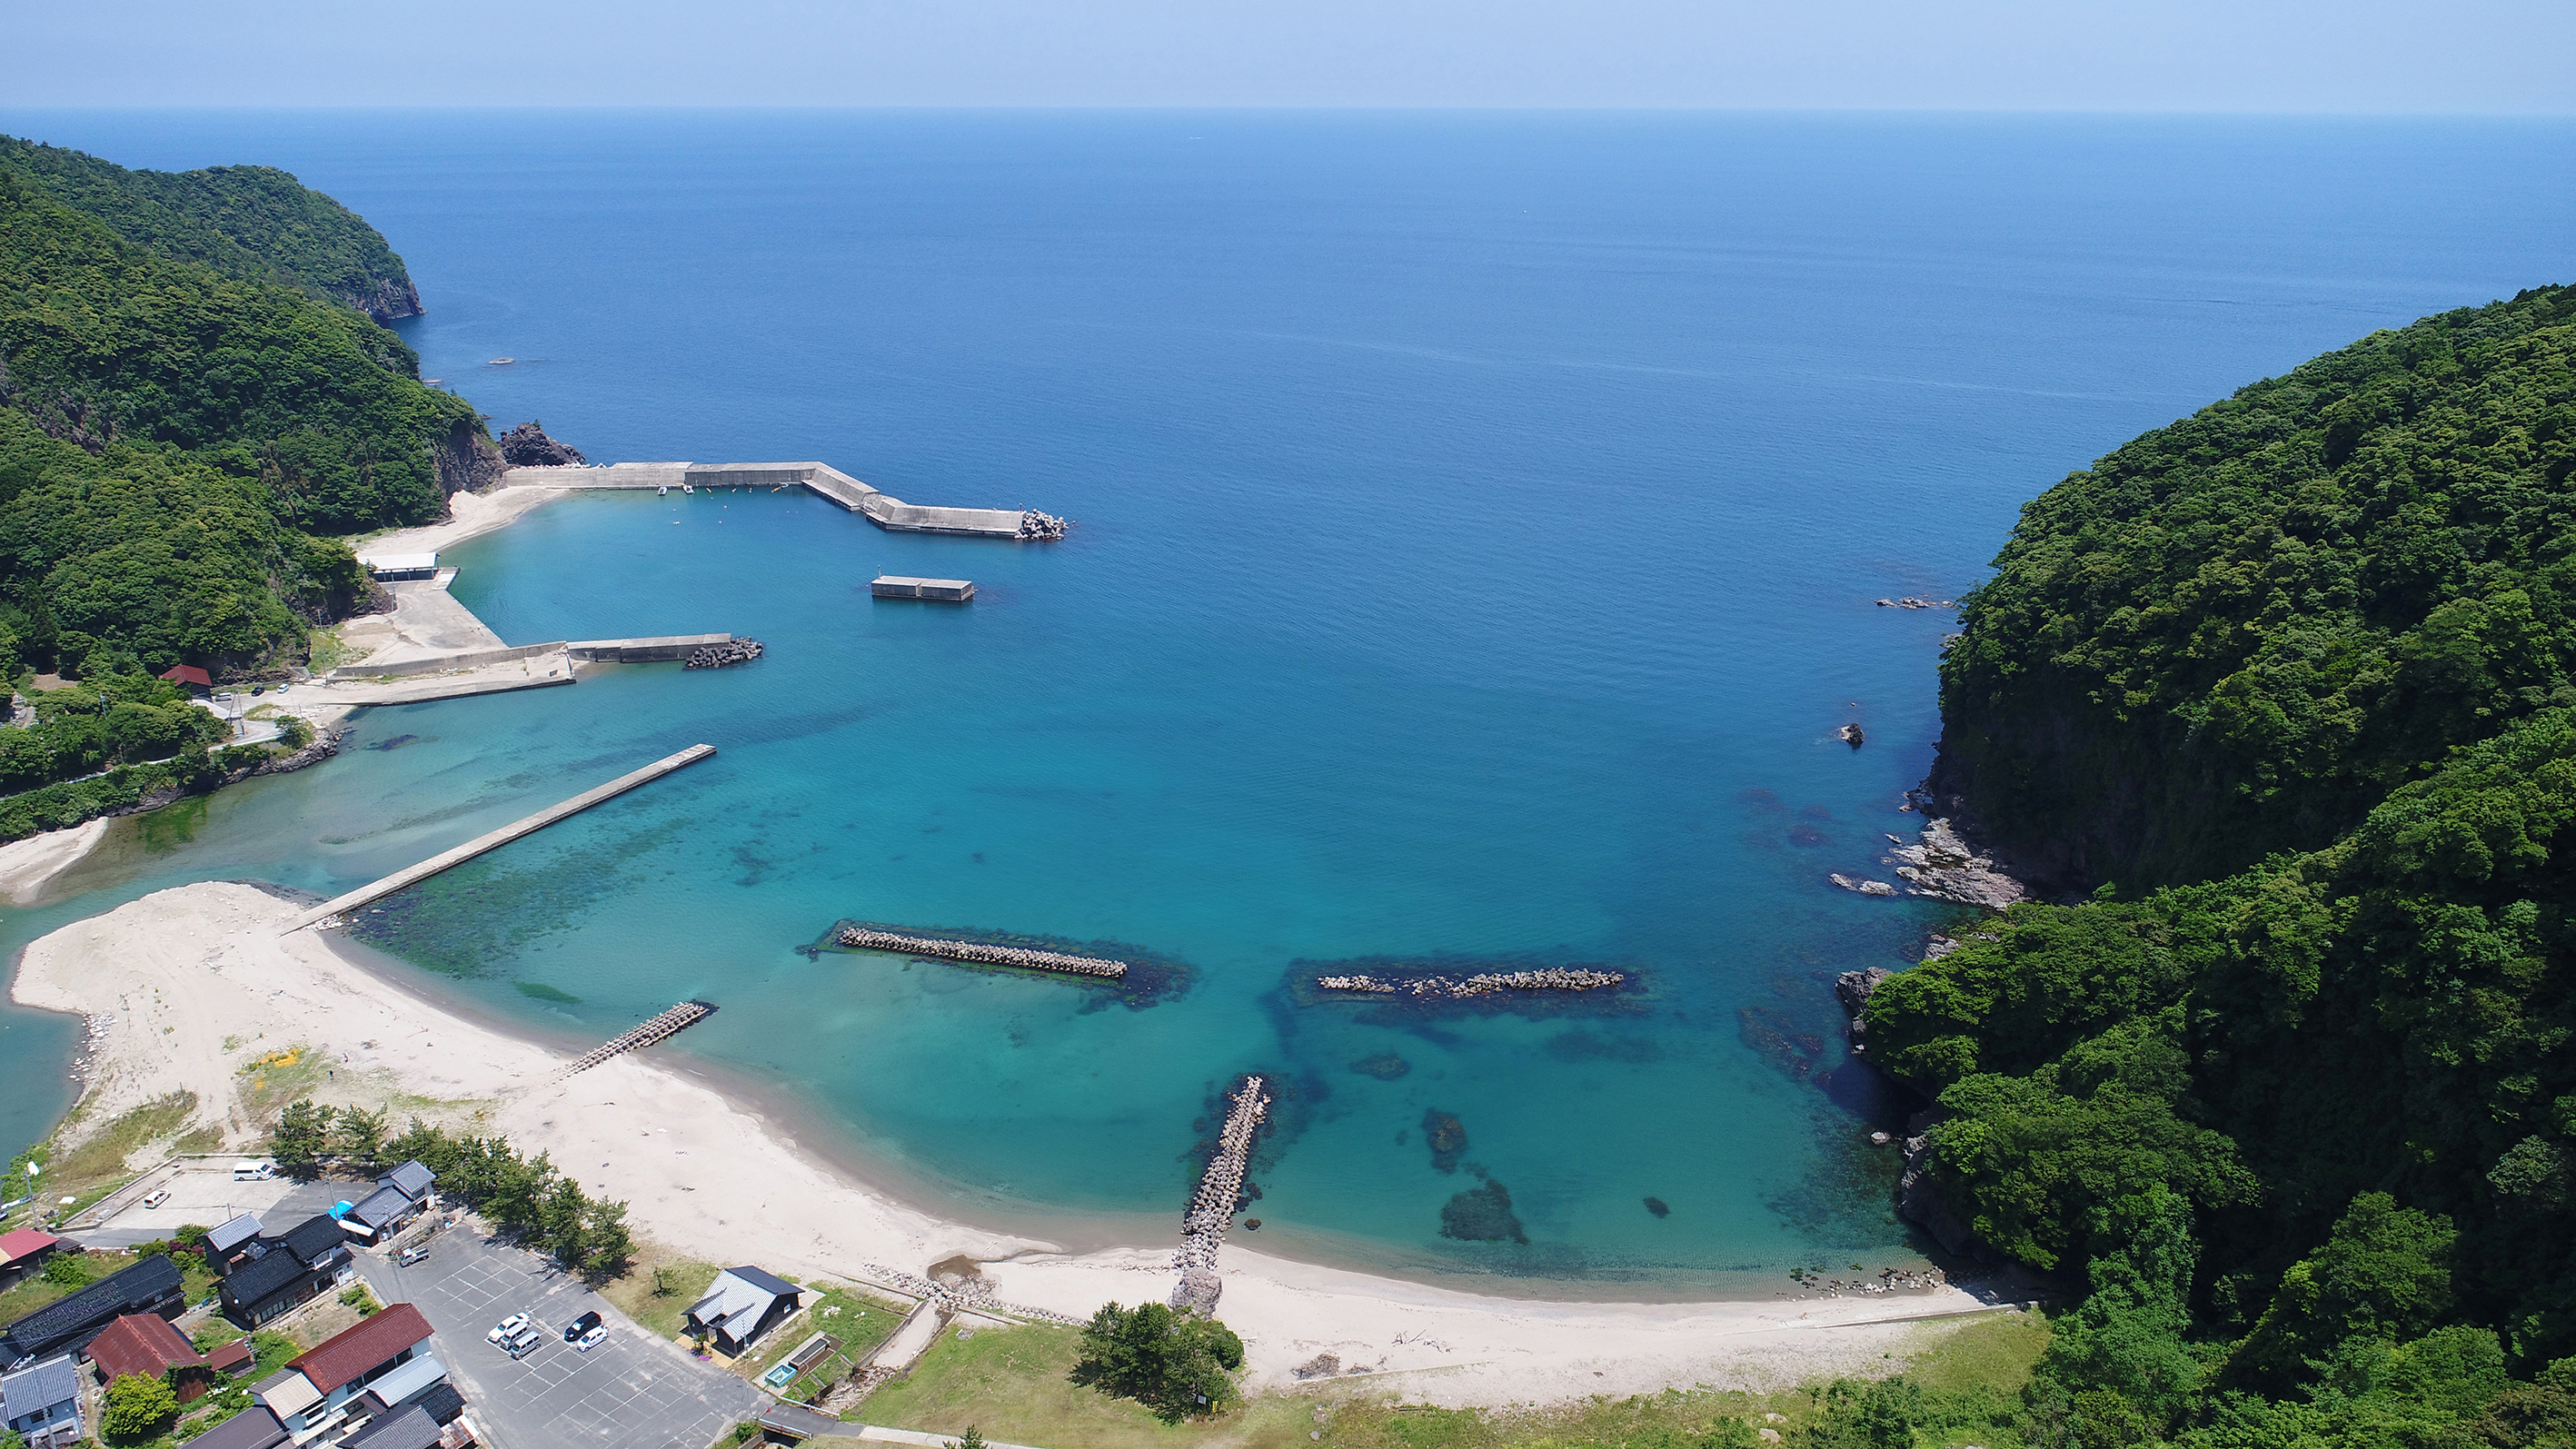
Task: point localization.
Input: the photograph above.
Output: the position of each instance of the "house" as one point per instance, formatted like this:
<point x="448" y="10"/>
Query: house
<point x="148" y="1347"/>
<point x="189" y="677"/>
<point x="41" y="1402"/>
<point x="399" y="1197"/>
<point x="284" y="1271"/>
<point x="412" y="1381"/>
<point x="67" y="1324"/>
<point x="409" y="1427"/>
<point x="316" y="1387"/>
<point x="23" y="1250"/>
<point x="228" y="1243"/>
<point x="233" y="1359"/>
<point x="252" y="1428"/>
<point x="741" y="1305"/>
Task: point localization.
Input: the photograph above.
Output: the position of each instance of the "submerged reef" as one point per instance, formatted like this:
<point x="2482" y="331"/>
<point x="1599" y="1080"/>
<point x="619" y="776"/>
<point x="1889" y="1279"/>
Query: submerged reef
<point x="1447" y="1138"/>
<point x="1482" y="1215"/>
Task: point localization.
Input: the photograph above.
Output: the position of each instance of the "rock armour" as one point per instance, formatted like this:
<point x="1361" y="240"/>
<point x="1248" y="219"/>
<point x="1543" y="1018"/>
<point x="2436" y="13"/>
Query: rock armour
<point x="1459" y="988"/>
<point x="980" y="953"/>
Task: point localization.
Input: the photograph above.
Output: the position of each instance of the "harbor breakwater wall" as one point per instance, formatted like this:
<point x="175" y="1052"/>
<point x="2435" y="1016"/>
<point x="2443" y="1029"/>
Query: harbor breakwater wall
<point x="880" y="508"/>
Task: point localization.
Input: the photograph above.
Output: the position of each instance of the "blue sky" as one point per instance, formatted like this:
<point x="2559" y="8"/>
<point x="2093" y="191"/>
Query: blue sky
<point x="2502" y="56"/>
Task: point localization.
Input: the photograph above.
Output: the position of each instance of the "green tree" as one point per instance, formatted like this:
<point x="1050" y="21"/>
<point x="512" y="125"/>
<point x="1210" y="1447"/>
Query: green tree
<point x="608" y="1246"/>
<point x="1175" y="1364"/>
<point x="69" y="1270"/>
<point x="360" y="1135"/>
<point x="137" y="1408"/>
<point x="302" y="1133"/>
<point x="2384" y="1273"/>
<point x="973" y="1438"/>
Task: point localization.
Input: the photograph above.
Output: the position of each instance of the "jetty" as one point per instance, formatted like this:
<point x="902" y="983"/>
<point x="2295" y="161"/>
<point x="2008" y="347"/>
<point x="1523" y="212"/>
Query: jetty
<point x="1460" y="988"/>
<point x="861" y="938"/>
<point x="448" y="859"/>
<point x="822" y="479"/>
<point x="660" y="1027"/>
<point x="945" y="591"/>
<point x="1211" y="1212"/>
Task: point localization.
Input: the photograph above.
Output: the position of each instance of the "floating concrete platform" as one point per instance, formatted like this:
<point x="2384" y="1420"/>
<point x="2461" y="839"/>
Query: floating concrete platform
<point x="946" y="591"/>
<point x="882" y="509"/>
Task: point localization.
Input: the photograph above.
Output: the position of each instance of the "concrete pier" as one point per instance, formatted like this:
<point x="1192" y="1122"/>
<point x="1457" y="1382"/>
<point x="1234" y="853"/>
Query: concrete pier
<point x="642" y="651"/>
<point x="882" y="509"/>
<point x="444" y="860"/>
<point x="946" y="591"/>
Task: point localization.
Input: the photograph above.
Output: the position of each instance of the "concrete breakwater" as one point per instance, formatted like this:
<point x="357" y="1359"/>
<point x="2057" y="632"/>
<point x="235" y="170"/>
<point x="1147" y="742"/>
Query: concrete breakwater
<point x="880" y="508"/>
<point x="980" y="954"/>
<point x="1212" y="1208"/>
<point x="1460" y="988"/>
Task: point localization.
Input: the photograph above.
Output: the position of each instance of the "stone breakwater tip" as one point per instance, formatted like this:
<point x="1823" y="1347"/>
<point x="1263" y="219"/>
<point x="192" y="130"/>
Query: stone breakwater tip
<point x="1461" y="987"/>
<point x="981" y="954"/>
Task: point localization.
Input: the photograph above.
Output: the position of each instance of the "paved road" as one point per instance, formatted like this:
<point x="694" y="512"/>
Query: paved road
<point x="633" y="1390"/>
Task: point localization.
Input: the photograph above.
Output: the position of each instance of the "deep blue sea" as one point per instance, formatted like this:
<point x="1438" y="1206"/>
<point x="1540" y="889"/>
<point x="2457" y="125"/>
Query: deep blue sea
<point x="1479" y="518"/>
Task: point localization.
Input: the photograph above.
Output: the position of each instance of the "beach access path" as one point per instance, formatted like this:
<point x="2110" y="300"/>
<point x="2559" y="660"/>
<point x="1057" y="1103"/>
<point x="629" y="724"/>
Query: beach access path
<point x="201" y="986"/>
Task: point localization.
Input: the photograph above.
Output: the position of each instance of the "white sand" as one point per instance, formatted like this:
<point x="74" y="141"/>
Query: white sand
<point x="28" y="866"/>
<point x="469" y="515"/>
<point x="185" y="971"/>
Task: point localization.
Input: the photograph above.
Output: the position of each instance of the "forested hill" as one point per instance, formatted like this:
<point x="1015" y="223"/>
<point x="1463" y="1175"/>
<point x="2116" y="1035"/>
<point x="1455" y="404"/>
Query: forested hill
<point x="177" y="440"/>
<point x="2302" y="1116"/>
<point x="2235" y="635"/>
<point x="249" y="223"/>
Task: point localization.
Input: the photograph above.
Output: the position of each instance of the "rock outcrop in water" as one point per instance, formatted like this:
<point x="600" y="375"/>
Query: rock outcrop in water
<point x="527" y="446"/>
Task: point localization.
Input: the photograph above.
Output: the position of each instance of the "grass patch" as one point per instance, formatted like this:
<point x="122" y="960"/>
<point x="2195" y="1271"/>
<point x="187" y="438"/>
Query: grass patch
<point x="1994" y="1352"/>
<point x="329" y="651"/>
<point x="1010" y="1384"/>
<point x="101" y="1155"/>
<point x="863" y="1322"/>
<point x="273" y="1079"/>
<point x="660" y="1288"/>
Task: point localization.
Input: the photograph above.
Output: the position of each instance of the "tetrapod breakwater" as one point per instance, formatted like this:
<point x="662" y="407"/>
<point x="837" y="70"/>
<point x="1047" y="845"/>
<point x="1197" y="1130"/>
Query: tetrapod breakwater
<point x="669" y="1022"/>
<point x="1212" y="1208"/>
<point x="731" y="651"/>
<point x="860" y="938"/>
<point x="1483" y="983"/>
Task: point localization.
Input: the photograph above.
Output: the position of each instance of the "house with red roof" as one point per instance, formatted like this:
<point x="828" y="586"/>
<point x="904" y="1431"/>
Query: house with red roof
<point x="189" y="675"/>
<point x="145" y="1345"/>
<point x="315" y="1387"/>
<point x="23" y="1250"/>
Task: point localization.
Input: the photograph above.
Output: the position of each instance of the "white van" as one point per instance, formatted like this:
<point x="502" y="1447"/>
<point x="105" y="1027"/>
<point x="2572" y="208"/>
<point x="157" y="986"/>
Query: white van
<point x="254" y="1171"/>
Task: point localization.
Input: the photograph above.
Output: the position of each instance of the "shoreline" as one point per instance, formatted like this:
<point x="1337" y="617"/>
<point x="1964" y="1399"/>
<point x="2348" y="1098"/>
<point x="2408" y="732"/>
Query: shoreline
<point x="202" y="990"/>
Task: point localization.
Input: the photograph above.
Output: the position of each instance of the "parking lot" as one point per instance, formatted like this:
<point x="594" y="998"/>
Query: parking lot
<point x="203" y="1193"/>
<point x="633" y="1389"/>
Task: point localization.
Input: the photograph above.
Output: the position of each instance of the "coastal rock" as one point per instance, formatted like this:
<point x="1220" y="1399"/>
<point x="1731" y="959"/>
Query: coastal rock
<point x="1865" y="887"/>
<point x="1198" y="1291"/>
<point x="1921" y="1203"/>
<point x="1853" y="989"/>
<point x="387" y="299"/>
<point x="1849" y="734"/>
<point x="527" y="446"/>
<point x="467" y="462"/>
<point x="1945" y="867"/>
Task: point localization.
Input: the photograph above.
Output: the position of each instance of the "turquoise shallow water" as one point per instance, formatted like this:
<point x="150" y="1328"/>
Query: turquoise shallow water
<point x="1479" y="522"/>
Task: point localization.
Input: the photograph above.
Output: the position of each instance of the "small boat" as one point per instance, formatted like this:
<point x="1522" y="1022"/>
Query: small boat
<point x="685" y="488"/>
<point x="501" y="362"/>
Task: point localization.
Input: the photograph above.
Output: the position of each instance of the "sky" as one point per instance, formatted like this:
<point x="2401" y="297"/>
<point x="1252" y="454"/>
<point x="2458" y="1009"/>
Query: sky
<point x="2347" y="56"/>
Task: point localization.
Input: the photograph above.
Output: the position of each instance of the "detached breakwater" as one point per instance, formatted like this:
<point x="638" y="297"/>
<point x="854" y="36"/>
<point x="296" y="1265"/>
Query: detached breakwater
<point x="1483" y="983"/>
<point x="717" y="656"/>
<point x="862" y="939"/>
<point x="1211" y="1210"/>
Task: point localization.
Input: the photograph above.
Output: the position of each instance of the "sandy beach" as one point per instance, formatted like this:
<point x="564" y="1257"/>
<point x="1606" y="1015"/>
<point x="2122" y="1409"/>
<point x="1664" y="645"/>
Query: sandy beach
<point x="201" y="987"/>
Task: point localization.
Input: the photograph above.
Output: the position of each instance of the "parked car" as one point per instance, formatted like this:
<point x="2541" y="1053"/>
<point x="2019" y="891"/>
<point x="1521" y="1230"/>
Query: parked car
<point x="521" y="1343"/>
<point x="580" y="1326"/>
<point x="409" y="1256"/>
<point x="254" y="1171"/>
<point x="507" y="1328"/>
<point x="593" y="1339"/>
<point x="156" y="1197"/>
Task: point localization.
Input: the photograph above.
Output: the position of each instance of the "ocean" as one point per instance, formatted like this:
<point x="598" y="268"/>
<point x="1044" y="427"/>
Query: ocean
<point x="1479" y="523"/>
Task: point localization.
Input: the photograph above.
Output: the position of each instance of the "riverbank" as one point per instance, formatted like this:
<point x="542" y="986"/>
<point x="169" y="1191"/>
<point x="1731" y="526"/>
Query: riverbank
<point x="206" y="998"/>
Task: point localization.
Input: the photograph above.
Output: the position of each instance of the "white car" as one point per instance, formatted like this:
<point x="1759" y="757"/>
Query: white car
<point x="156" y="1198"/>
<point x="510" y="1327"/>
<point x="593" y="1339"/>
<point x="520" y="1344"/>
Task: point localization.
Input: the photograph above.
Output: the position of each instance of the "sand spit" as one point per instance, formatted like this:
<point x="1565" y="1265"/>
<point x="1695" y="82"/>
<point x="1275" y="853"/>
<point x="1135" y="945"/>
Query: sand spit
<point x="201" y="990"/>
